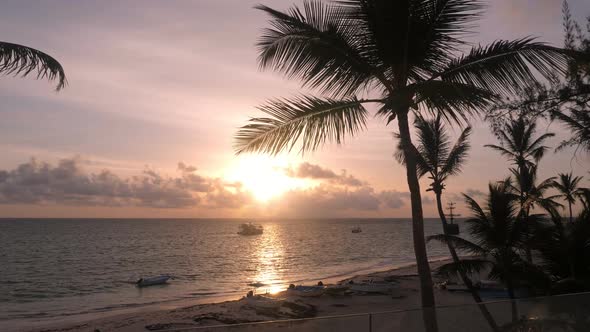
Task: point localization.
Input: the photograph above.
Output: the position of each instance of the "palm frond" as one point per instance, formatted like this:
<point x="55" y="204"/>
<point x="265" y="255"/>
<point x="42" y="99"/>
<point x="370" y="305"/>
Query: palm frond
<point x="458" y="154"/>
<point x="317" y="45"/>
<point x="313" y="120"/>
<point x="22" y="60"/>
<point x="504" y="67"/>
<point x="458" y="243"/>
<point x="469" y="266"/>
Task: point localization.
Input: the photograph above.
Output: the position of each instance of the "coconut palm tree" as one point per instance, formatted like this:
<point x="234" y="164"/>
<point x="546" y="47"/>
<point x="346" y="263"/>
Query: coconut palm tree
<point x="399" y="55"/>
<point x="568" y="189"/>
<point x="517" y="143"/>
<point x="22" y="60"/>
<point x="441" y="160"/>
<point x="565" y="252"/>
<point x="499" y="236"/>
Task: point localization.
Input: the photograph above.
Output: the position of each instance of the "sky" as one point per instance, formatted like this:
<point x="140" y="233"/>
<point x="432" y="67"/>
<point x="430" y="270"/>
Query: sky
<point x="157" y="89"/>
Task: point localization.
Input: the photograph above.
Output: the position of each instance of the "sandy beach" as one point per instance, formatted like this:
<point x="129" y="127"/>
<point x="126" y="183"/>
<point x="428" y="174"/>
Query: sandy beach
<point x="404" y="297"/>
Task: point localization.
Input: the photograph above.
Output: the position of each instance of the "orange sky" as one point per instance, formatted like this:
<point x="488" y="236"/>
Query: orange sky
<point x="153" y="84"/>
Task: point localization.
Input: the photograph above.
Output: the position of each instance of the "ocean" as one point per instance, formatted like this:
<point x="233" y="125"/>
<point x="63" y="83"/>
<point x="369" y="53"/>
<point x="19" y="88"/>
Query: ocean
<point x="52" y="268"/>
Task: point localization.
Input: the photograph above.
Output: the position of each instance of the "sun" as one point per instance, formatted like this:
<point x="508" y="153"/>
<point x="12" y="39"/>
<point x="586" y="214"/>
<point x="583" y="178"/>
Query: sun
<point x="264" y="176"/>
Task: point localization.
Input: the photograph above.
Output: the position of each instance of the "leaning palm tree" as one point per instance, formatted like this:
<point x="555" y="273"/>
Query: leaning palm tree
<point x="438" y="158"/>
<point x="401" y="56"/>
<point x="499" y="236"/>
<point x="568" y="189"/>
<point x="22" y="60"/>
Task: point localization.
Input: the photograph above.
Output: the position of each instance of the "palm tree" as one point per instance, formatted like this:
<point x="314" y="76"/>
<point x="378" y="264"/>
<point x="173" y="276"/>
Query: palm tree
<point x="518" y="144"/>
<point x="400" y="55"/>
<point x="441" y="160"/>
<point x="568" y="188"/>
<point x="499" y="236"/>
<point x="578" y="122"/>
<point x="565" y="252"/>
<point x="22" y="60"/>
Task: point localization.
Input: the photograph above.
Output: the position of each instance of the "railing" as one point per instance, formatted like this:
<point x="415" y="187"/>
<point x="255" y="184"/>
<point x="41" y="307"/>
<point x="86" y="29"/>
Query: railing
<point x="554" y="313"/>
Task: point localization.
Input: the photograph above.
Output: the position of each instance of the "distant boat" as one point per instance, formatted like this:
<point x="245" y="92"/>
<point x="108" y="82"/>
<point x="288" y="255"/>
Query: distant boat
<point x="306" y="291"/>
<point x="372" y="286"/>
<point x="250" y="229"/>
<point x="357" y="229"/>
<point x="159" y="280"/>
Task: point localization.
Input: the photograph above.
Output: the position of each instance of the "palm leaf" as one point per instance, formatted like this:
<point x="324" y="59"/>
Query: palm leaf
<point x="505" y="66"/>
<point x="458" y="154"/>
<point x="313" y="120"/>
<point x="469" y="266"/>
<point x="458" y="243"/>
<point x="23" y="60"/>
<point x="316" y="45"/>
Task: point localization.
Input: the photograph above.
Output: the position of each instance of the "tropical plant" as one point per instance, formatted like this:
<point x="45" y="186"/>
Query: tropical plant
<point x="565" y="252"/>
<point x="404" y="55"/>
<point x="438" y="159"/>
<point x="499" y="234"/>
<point x="22" y="60"/>
<point x="568" y="189"/>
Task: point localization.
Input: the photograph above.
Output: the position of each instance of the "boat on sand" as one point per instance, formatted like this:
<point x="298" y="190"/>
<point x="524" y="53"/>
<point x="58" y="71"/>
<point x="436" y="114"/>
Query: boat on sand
<point x="373" y="286"/>
<point x="306" y="291"/>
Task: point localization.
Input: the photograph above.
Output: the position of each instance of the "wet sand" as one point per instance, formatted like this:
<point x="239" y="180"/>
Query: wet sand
<point x="283" y="306"/>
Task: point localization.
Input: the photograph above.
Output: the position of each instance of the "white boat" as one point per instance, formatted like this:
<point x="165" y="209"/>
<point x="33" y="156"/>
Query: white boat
<point x="372" y="286"/>
<point x="306" y="291"/>
<point x="250" y="229"/>
<point x="159" y="280"/>
<point x="357" y="230"/>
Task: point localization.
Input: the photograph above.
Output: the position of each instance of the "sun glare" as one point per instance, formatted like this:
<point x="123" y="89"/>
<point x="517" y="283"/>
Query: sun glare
<point x="264" y="176"/>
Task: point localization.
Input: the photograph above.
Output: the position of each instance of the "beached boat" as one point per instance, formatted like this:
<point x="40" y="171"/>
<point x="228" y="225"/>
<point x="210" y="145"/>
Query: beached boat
<point x="357" y="230"/>
<point x="250" y="229"/>
<point x="306" y="291"/>
<point x="259" y="301"/>
<point x="372" y="286"/>
<point x="159" y="280"/>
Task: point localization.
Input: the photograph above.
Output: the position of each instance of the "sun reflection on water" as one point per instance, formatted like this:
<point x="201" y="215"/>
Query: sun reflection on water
<point x="270" y="254"/>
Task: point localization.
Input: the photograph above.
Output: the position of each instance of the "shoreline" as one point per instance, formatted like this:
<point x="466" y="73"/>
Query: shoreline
<point x="157" y="315"/>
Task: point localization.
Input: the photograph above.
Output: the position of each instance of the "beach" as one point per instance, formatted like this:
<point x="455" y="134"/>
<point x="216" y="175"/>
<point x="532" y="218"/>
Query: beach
<point x="238" y="311"/>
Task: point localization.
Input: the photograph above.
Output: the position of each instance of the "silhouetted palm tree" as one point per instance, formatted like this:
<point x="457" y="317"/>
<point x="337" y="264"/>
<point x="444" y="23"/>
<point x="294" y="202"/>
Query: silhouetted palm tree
<point x="403" y="54"/>
<point x="568" y="189"/>
<point x="22" y="60"/>
<point x="499" y="234"/>
<point x="518" y="144"/>
<point x="578" y="122"/>
<point x="565" y="252"/>
<point x="441" y="160"/>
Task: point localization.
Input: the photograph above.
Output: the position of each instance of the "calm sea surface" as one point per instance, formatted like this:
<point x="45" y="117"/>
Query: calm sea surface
<point x="53" y="268"/>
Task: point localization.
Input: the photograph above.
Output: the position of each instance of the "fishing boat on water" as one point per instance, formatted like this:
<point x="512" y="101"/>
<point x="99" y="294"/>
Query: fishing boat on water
<point x="250" y="229"/>
<point x="151" y="281"/>
<point x="357" y="229"/>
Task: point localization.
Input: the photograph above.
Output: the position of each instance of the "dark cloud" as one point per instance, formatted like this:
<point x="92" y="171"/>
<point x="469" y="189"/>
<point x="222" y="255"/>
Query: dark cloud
<point x="394" y="199"/>
<point x="325" y="199"/>
<point x="66" y="183"/>
<point x="474" y="192"/>
<point x="306" y="170"/>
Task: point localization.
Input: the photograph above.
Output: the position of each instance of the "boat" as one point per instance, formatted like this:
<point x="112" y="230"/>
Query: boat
<point x="259" y="301"/>
<point x="159" y="280"/>
<point x="250" y="229"/>
<point x="357" y="230"/>
<point x="372" y="286"/>
<point x="306" y="291"/>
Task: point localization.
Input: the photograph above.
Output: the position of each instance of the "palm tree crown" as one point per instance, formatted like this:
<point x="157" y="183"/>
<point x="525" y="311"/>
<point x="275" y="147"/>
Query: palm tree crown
<point x="568" y="189"/>
<point x="22" y="60"/>
<point x="518" y="144"/>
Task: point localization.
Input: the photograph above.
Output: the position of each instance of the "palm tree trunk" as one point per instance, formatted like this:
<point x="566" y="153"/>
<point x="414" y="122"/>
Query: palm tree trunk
<point x="513" y="305"/>
<point x="571" y="217"/>
<point x="426" y="289"/>
<point x="482" y="307"/>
